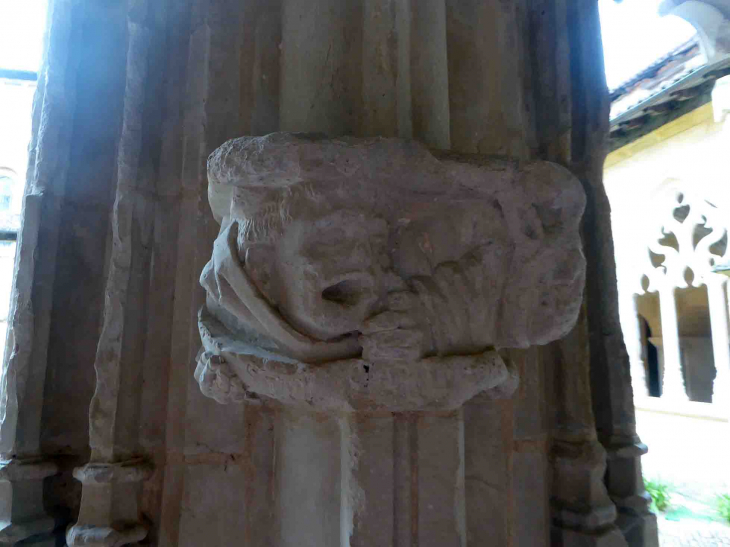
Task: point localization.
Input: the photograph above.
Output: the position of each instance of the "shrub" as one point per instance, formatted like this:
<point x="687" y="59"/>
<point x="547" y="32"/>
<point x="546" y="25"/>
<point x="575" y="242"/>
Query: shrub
<point x="723" y="506"/>
<point x="659" y="492"/>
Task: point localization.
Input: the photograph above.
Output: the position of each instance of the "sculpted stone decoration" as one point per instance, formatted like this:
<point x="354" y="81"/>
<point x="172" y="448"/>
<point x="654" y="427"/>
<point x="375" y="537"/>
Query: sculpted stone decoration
<point x="364" y="274"/>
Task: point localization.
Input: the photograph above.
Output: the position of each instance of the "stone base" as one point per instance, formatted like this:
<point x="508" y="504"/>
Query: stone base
<point x="109" y="504"/>
<point x="45" y="540"/>
<point x="42" y="527"/>
<point x="639" y="530"/>
<point x="609" y="537"/>
<point x="104" y="536"/>
<point x="22" y="514"/>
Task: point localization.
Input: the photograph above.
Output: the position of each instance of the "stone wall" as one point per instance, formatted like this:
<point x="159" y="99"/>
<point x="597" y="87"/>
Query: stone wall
<point x="133" y="97"/>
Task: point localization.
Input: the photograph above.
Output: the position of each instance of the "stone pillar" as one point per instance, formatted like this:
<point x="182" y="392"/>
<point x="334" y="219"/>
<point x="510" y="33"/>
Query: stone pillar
<point x="610" y="380"/>
<point x="673" y="383"/>
<point x="23" y="514"/>
<point x="451" y="475"/>
<point x="385" y="68"/>
<point x="112" y="481"/>
<point x="583" y="512"/>
<point x="384" y="64"/>
<point x="717" y="295"/>
<point x="403" y="480"/>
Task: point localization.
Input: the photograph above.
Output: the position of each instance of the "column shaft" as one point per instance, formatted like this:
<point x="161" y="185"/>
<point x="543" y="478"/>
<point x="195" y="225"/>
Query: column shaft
<point x="673" y="387"/>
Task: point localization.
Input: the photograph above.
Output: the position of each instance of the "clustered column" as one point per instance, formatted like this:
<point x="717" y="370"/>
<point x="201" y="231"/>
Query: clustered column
<point x="218" y="69"/>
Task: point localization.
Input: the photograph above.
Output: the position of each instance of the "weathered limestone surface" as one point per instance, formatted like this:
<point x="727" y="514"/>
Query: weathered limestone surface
<point x="133" y="98"/>
<point x="369" y="275"/>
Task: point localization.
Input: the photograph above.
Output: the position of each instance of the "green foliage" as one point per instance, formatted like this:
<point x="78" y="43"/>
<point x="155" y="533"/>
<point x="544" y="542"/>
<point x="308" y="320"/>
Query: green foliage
<point x="659" y="492"/>
<point x="723" y="506"/>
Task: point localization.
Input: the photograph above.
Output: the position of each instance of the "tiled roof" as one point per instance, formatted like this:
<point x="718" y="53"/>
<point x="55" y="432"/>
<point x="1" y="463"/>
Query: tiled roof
<point x="661" y="74"/>
<point x="673" y="85"/>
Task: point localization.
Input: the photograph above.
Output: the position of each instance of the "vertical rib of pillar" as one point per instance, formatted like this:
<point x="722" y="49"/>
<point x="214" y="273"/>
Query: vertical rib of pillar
<point x="366" y="67"/>
<point x="583" y="513"/>
<point x="429" y="73"/>
<point x="488" y="459"/>
<point x="321" y="66"/>
<point x="405" y="71"/>
<point x="368" y="482"/>
<point x="264" y="108"/>
<point x="22" y="512"/>
<point x="673" y="386"/>
<point x="308" y="483"/>
<point x="361" y="479"/>
<point x="604" y="373"/>
<point x="382" y="36"/>
<point x="110" y="513"/>
<point x="441" y="517"/>
<point x="486" y="77"/>
<point x="403" y="480"/>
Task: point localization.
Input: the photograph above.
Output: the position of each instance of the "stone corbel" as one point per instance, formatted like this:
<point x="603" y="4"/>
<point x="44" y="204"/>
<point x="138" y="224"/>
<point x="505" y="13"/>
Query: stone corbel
<point x="109" y="515"/>
<point x="364" y="287"/>
<point x="375" y="275"/>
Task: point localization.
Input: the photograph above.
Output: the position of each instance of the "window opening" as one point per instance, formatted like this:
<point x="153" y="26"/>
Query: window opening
<point x="21" y="44"/>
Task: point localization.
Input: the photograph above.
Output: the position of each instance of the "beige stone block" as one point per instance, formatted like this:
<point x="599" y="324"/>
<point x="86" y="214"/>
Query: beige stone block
<point x="213" y="507"/>
<point x="530" y="484"/>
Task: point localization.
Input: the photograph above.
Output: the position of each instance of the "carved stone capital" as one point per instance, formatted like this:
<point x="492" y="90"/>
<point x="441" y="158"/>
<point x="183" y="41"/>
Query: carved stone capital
<point x="373" y="274"/>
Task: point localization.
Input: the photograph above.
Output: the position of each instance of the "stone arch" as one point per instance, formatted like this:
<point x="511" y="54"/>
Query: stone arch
<point x="711" y="18"/>
<point x="685" y="237"/>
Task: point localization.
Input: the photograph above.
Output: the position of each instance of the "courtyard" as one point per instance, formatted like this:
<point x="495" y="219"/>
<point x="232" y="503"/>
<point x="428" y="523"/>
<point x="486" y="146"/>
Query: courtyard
<point x="688" y="453"/>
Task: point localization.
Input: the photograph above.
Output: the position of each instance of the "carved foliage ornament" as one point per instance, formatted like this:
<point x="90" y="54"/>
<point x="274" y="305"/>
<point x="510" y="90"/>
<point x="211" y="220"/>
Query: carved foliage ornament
<point x="361" y="274"/>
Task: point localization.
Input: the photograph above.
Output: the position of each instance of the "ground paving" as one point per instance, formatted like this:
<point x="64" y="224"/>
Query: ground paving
<point x="693" y="533"/>
<point x="689" y="455"/>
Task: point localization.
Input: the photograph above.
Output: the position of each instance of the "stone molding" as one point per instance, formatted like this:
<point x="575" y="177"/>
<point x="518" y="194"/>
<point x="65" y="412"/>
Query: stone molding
<point x="18" y="469"/>
<point x="100" y="536"/>
<point x="106" y="473"/>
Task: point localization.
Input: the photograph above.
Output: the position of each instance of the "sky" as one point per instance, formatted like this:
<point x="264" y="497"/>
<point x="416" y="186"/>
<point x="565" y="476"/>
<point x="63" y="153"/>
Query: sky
<point x="21" y="34"/>
<point x="633" y="35"/>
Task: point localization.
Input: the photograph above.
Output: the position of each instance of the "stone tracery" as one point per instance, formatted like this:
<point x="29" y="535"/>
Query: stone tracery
<point x="687" y="237"/>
